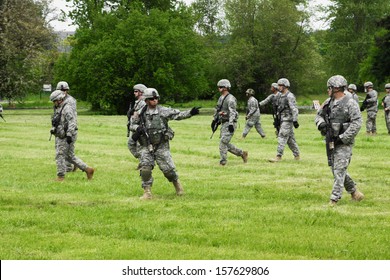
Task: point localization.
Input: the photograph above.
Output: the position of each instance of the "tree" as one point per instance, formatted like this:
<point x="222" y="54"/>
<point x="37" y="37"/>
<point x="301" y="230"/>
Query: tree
<point x="25" y="35"/>
<point x="158" y="48"/>
<point x="353" y="24"/>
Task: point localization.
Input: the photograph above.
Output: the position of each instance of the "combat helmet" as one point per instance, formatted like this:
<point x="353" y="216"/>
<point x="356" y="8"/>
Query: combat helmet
<point x="387" y="86"/>
<point x="368" y="84"/>
<point x="150" y="93"/>
<point x="284" y="82"/>
<point x="250" y="91"/>
<point x="353" y="87"/>
<point x="140" y="87"/>
<point x="224" y="83"/>
<point x="62" y="85"/>
<point x="56" y="95"/>
<point x="275" y="86"/>
<point x="337" y="81"/>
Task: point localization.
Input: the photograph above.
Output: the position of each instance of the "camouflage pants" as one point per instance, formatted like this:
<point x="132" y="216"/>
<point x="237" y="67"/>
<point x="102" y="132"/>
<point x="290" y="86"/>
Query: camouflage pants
<point x="69" y="166"/>
<point x="64" y="153"/>
<point x="162" y="156"/>
<point x="341" y="158"/>
<point x="371" y="121"/>
<point x="286" y="136"/>
<point x="133" y="147"/>
<point x="387" y="119"/>
<point x="225" y="145"/>
<point x="253" y="122"/>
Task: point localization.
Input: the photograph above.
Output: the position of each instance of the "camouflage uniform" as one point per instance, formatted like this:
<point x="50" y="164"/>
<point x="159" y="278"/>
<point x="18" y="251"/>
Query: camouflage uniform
<point x="155" y="121"/>
<point x="287" y="110"/>
<point x="73" y="104"/>
<point x="372" y="110"/>
<point x="343" y="113"/>
<point x="134" y="111"/>
<point x="228" y="116"/>
<point x="67" y="127"/>
<point x="253" y="117"/>
<point x="386" y="105"/>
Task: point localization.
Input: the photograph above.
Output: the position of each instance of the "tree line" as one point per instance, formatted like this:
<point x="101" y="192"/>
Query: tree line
<point x="184" y="50"/>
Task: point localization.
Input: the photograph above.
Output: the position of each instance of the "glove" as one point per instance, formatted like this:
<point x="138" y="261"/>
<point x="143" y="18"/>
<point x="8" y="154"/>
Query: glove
<point x="140" y="130"/>
<point x="69" y="139"/>
<point x="195" y="111"/>
<point x="296" y="124"/>
<point x="323" y="128"/>
<point x="53" y="131"/>
<point x="337" y="141"/>
<point x="231" y="128"/>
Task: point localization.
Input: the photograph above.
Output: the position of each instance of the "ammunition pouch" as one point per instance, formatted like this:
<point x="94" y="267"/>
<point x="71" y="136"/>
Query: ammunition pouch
<point x="169" y="134"/>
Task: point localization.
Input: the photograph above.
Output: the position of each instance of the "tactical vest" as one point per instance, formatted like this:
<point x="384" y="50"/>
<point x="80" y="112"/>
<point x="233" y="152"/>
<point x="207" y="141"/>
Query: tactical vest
<point x="225" y="108"/>
<point x="338" y="115"/>
<point x="282" y="104"/>
<point x="157" y="128"/>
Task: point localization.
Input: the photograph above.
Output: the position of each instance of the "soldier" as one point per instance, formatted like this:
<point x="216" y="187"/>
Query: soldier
<point x="64" y="87"/>
<point x="64" y="127"/>
<point x="353" y="90"/>
<point x="371" y="103"/>
<point x="152" y="132"/>
<point x="272" y="99"/>
<point x="340" y="120"/>
<point x="386" y="107"/>
<point x="253" y="115"/>
<point x="134" y="110"/>
<point x="287" y="114"/>
<point x="226" y="114"/>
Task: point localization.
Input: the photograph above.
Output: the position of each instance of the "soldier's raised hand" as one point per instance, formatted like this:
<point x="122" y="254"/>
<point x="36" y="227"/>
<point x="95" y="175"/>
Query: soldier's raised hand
<point x="195" y="111"/>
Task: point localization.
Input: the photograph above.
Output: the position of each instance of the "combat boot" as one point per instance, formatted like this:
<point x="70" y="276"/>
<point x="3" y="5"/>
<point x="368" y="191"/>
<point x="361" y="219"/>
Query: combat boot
<point x="297" y="157"/>
<point x="59" y="179"/>
<point x="245" y="156"/>
<point x="179" y="189"/>
<point x="357" y="196"/>
<point x="332" y="203"/>
<point x="89" y="172"/>
<point x="147" y="193"/>
<point x="278" y="158"/>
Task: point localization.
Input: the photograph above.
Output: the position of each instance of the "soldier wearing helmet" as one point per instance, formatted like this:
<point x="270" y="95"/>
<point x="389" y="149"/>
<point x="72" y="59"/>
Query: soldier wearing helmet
<point x="339" y="118"/>
<point x="153" y="134"/>
<point x="371" y="104"/>
<point x="134" y="109"/>
<point x="286" y="118"/>
<point x="64" y="128"/>
<point x="252" y="115"/>
<point x="64" y="87"/>
<point x="353" y="90"/>
<point x="226" y="114"/>
<point x="386" y="106"/>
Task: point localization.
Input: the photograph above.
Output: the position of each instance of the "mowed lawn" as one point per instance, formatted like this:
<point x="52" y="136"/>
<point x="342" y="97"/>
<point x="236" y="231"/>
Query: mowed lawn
<point x="258" y="210"/>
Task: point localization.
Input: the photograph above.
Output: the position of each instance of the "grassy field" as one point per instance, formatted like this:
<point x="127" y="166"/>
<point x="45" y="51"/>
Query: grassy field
<point x="257" y="210"/>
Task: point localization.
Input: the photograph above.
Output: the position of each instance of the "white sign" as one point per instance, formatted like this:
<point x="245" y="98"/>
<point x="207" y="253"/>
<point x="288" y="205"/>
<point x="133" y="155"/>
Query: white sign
<point x="46" y="87"/>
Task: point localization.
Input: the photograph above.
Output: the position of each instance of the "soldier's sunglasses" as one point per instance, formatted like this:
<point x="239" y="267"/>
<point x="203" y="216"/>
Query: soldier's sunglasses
<point x="153" y="98"/>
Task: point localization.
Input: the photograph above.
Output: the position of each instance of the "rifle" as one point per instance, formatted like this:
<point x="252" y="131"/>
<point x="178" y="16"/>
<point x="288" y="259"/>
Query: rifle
<point x="329" y="135"/>
<point x="364" y="104"/>
<point x="217" y="120"/>
<point x="55" y="122"/>
<point x="2" y="118"/>
<point x="143" y="130"/>
<point x="385" y="105"/>
<point x="276" y="116"/>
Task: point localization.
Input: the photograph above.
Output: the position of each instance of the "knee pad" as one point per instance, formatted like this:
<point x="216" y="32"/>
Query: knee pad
<point x="146" y="173"/>
<point x="171" y="175"/>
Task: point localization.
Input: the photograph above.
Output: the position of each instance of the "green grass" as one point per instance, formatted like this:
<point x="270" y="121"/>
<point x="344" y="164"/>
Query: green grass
<point x="256" y="210"/>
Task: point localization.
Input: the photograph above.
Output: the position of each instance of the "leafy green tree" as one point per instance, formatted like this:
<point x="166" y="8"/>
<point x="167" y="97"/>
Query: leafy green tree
<point x="24" y="37"/>
<point x="158" y="48"/>
<point x="376" y="67"/>
<point x="353" y="25"/>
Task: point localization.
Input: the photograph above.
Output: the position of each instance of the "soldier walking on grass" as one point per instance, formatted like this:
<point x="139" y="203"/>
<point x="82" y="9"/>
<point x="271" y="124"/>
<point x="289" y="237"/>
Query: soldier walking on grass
<point x="371" y="104"/>
<point x="386" y="107"/>
<point x="64" y="87"/>
<point x="272" y="98"/>
<point x="226" y="114"/>
<point x="339" y="119"/>
<point x="253" y="115"/>
<point x="152" y="132"/>
<point x="134" y="110"/>
<point x="64" y="128"/>
<point x="287" y="115"/>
